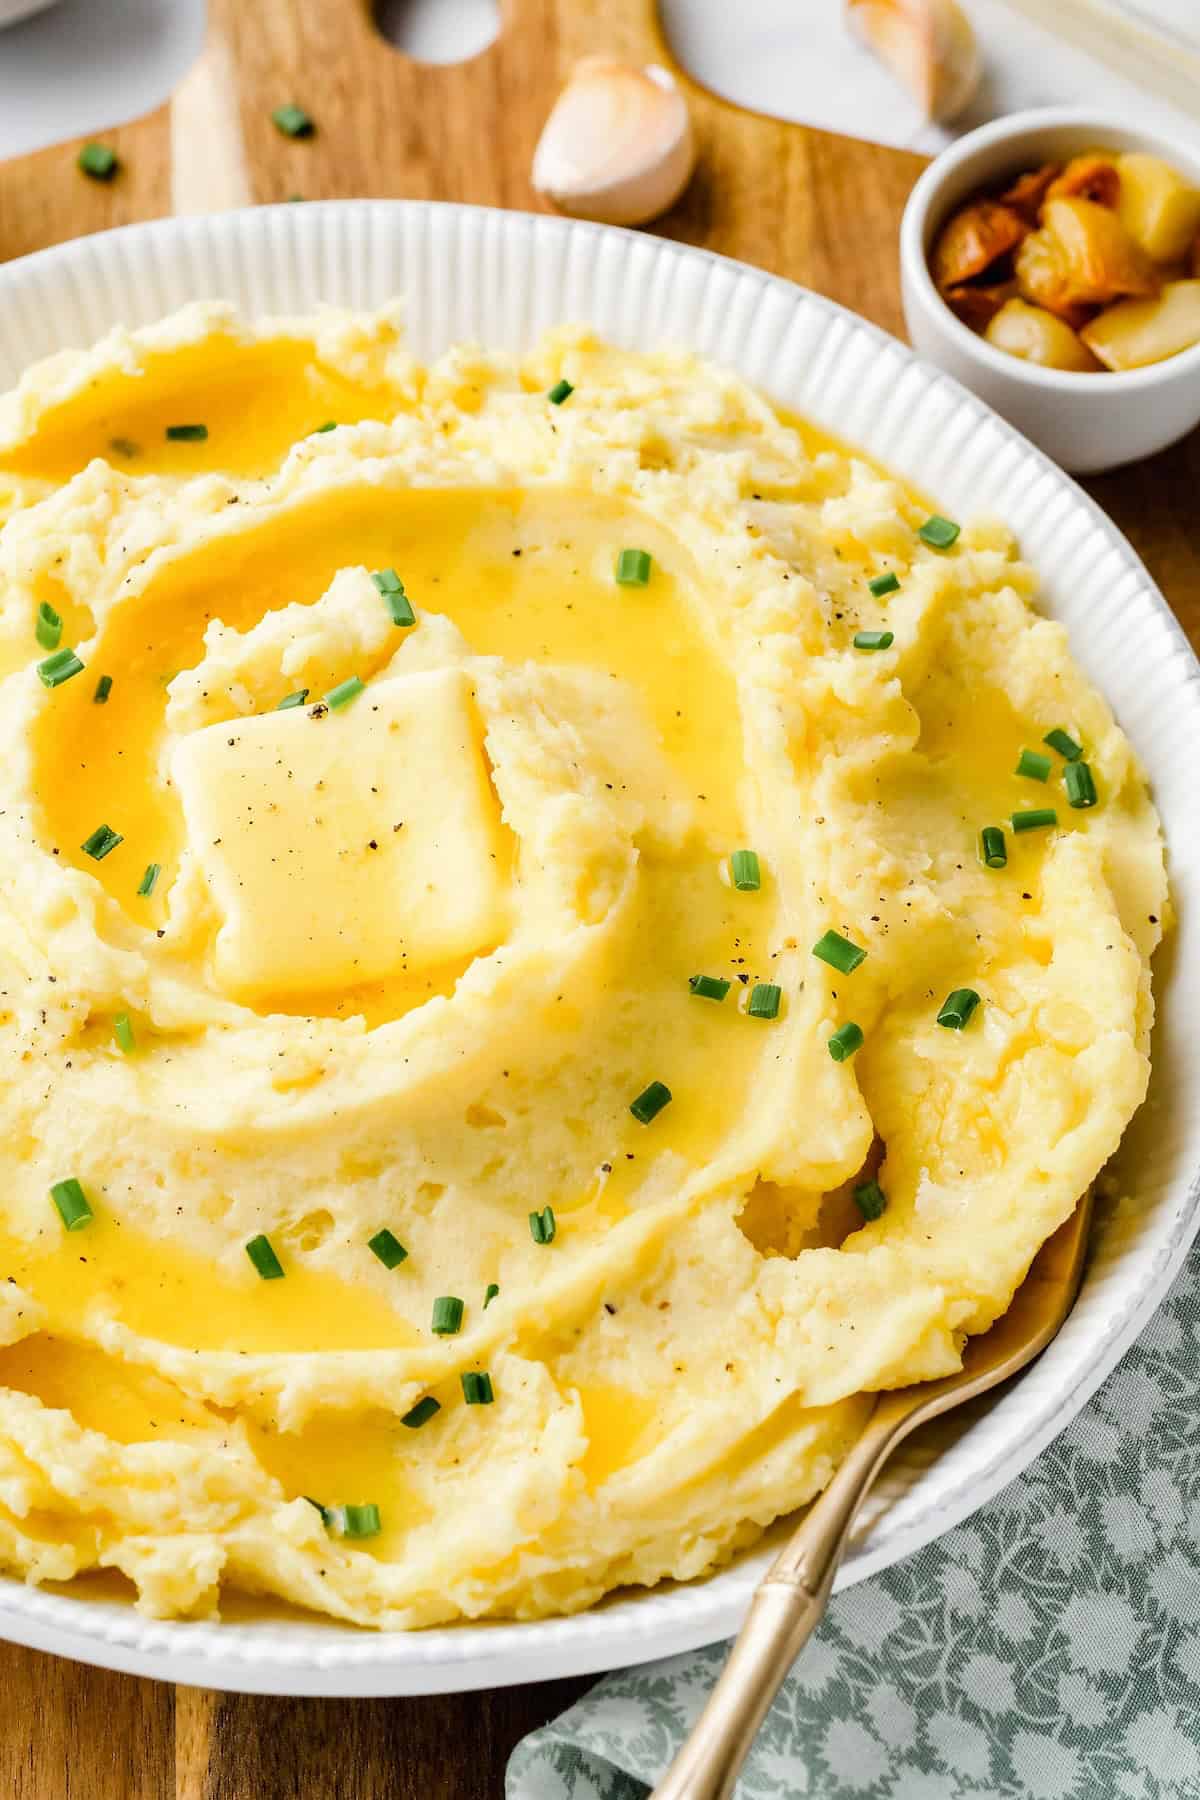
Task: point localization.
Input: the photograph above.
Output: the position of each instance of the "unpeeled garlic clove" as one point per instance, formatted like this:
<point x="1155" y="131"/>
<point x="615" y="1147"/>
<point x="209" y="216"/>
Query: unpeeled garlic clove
<point x="928" y="45"/>
<point x="618" y="144"/>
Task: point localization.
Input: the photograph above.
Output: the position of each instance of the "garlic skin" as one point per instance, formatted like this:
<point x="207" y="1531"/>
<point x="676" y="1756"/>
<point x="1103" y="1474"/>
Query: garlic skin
<point x="618" y="144"/>
<point x="927" y="44"/>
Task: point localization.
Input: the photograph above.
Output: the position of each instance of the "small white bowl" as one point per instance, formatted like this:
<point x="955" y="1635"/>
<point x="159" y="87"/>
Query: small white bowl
<point x="1085" y="422"/>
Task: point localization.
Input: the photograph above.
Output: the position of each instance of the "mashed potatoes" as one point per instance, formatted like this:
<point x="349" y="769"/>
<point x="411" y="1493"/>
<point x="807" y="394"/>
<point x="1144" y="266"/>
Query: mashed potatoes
<point x="351" y="896"/>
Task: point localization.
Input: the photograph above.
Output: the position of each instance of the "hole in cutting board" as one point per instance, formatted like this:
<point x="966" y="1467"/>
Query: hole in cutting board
<point x="439" y="31"/>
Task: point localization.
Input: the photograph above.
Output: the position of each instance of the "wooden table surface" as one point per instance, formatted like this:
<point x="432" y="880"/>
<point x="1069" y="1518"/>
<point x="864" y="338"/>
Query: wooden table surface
<point x="821" y="209"/>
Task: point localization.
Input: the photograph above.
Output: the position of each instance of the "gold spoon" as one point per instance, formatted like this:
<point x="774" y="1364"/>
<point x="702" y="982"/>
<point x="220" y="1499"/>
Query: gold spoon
<point x="792" y="1596"/>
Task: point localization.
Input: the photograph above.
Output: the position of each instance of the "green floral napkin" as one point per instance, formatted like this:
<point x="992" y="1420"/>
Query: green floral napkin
<point x="1047" y="1649"/>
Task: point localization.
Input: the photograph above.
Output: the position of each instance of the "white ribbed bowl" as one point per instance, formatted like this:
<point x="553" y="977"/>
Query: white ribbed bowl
<point x="502" y="278"/>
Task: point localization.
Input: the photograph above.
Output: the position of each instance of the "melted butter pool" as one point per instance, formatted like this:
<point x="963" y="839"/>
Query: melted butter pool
<point x="254" y="400"/>
<point x="175" y="1296"/>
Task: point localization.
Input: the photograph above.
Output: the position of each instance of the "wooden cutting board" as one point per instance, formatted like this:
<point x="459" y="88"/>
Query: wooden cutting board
<point x="821" y="209"/>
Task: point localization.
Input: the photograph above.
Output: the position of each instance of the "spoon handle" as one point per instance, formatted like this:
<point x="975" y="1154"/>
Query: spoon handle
<point x="787" y="1607"/>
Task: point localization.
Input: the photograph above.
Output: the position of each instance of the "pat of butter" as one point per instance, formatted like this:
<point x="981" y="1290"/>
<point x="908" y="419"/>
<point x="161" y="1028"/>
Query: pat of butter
<point x="348" y="846"/>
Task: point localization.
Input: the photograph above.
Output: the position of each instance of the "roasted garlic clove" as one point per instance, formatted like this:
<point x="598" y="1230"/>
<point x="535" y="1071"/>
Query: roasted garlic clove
<point x="1137" y="332"/>
<point x="617" y="145"/>
<point x="1091" y="177"/>
<point x="1157" y="207"/>
<point x="1039" y="337"/>
<point x="1082" y="257"/>
<point x="1042" y="278"/>
<point x="928" y="45"/>
<point x="972" y="239"/>
<point x="1026" y="193"/>
<point x="978" y="306"/>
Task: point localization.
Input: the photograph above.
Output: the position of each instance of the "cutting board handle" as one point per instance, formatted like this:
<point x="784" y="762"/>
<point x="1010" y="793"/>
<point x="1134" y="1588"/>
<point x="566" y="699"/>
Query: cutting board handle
<point x="210" y="170"/>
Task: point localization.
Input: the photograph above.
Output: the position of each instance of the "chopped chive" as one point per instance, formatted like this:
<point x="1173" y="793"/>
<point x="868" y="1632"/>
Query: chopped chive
<point x="400" y="609"/>
<point x="54" y="670"/>
<point x="293" y="121"/>
<point x="394" y="598"/>
<point x="874" y="640"/>
<point x="764" y="1001"/>
<point x="1064" y="743"/>
<point x="388" y="1249"/>
<point x="290" y="700"/>
<point x="839" y="952"/>
<point x="845" y="1041"/>
<point x="149" y="880"/>
<point x="103" y="840"/>
<point x="98" y="161"/>
<point x="938" y="533"/>
<point x="187" y="434"/>
<point x="884" y="584"/>
<point x="650" y="1102"/>
<point x="992" y="850"/>
<point x="490" y="1293"/>
<point x="542" y="1226"/>
<point x="1035" y="819"/>
<point x="123" y="1032"/>
<point x="562" y="390"/>
<point x="263" y="1256"/>
<point x="344" y="692"/>
<point x="1034" y="765"/>
<point x="72" y="1204"/>
<point x="745" y="872"/>
<point x="870" y="1199"/>
<point x="353" y="1521"/>
<point x="957" y="1009"/>
<point x="329" y="425"/>
<point x="317" y="1504"/>
<point x="47" y="627"/>
<point x="1081" y="789"/>
<point x="708" y="987"/>
<point x="421" y="1413"/>
<point x="477" y="1387"/>
<point x="103" y="690"/>
<point x="633" y="568"/>
<point x="447" y="1315"/>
